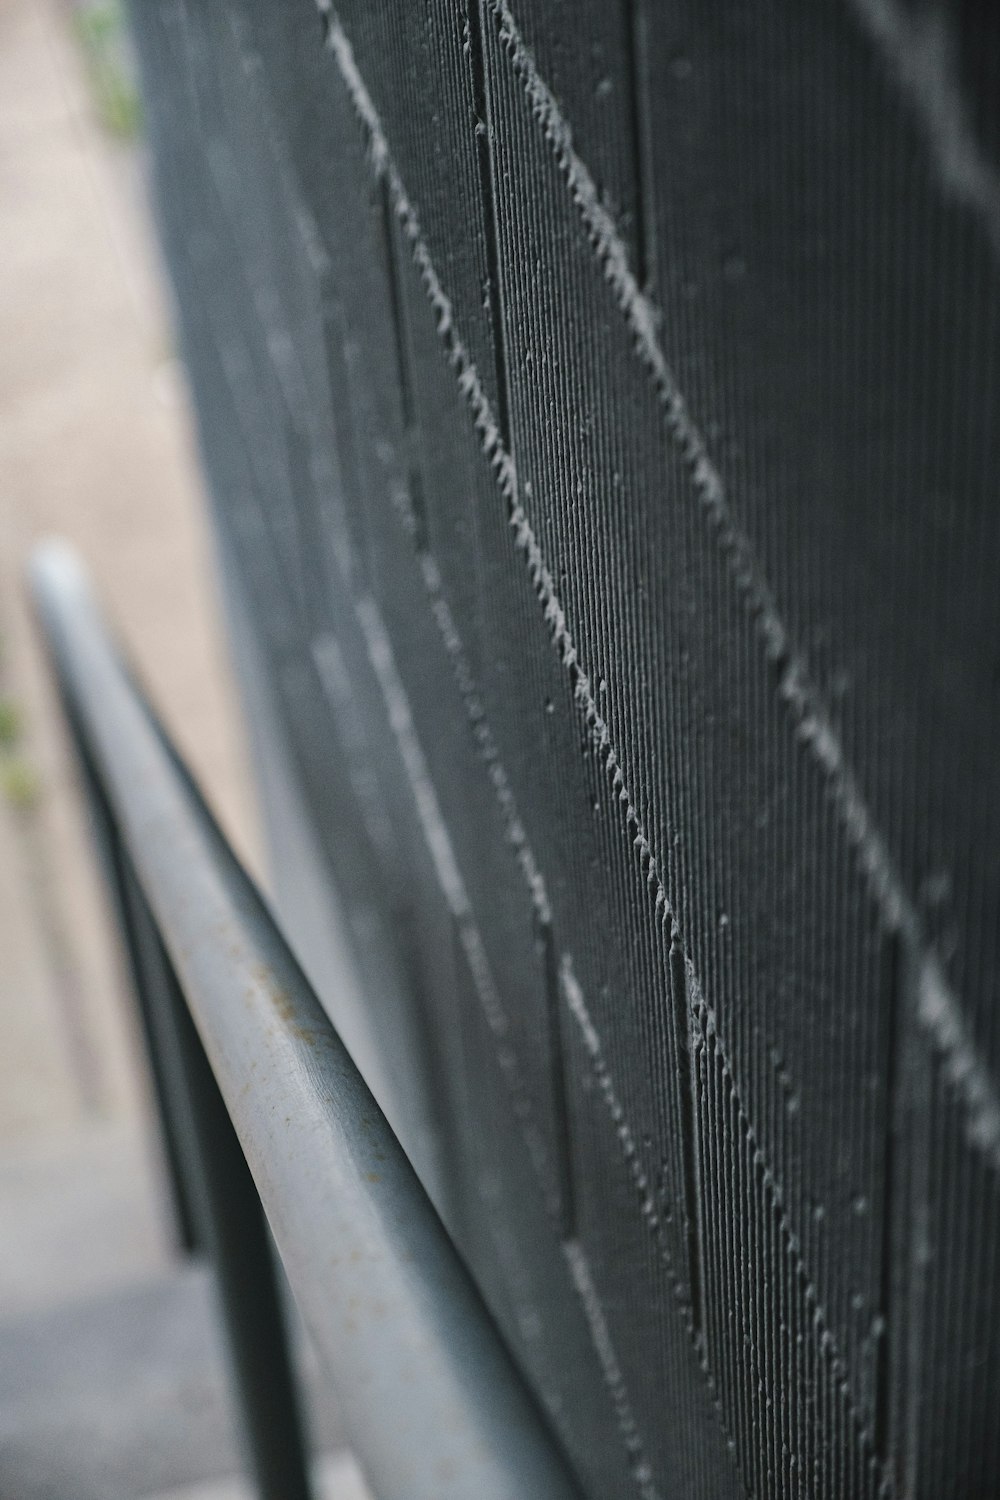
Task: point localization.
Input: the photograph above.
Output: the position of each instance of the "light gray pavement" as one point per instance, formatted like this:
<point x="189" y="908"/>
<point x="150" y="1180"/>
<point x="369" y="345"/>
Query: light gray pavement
<point x="93" y="445"/>
<point x="111" y="1379"/>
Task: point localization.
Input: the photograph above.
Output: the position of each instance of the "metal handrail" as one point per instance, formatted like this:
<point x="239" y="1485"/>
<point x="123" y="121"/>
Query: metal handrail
<point x="434" y="1405"/>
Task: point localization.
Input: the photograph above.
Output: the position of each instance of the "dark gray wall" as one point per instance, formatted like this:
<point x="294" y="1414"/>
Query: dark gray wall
<point x="599" y="403"/>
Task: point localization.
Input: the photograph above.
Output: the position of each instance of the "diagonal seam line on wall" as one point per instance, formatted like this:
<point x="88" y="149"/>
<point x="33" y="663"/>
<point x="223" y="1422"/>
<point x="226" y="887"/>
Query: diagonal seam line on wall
<point x="938" y="1008"/>
<point x="573" y="996"/>
<point x="503" y="467"/>
<point x="451" y="883"/>
<point x="577" y="1006"/>
<point x="535" y="882"/>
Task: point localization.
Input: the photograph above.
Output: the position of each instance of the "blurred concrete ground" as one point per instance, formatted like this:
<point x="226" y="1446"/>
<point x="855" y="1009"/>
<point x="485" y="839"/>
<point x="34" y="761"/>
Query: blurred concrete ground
<point x="111" y="1378"/>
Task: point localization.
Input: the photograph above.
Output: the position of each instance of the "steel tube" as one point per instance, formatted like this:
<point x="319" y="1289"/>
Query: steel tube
<point x="163" y="1088"/>
<point x="435" y="1406"/>
<point x="231" y="1225"/>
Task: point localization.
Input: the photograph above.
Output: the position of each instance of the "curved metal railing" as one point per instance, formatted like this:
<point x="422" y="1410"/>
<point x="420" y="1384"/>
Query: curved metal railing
<point x="434" y="1405"/>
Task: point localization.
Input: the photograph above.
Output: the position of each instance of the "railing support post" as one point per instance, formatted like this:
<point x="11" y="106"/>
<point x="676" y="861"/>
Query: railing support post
<point x="267" y="1100"/>
<point x="230" y="1224"/>
<point x="112" y="859"/>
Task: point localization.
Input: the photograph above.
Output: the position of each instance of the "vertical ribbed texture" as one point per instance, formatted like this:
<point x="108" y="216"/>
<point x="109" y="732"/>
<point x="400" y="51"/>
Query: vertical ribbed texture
<point x="599" y="402"/>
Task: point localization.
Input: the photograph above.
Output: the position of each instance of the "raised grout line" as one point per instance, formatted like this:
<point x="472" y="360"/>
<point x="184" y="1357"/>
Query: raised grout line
<point x="483" y="734"/>
<point x="565" y="977"/>
<point x="394" y="694"/>
<point x="446" y="867"/>
<point x="432" y="822"/>
<point x="938" y="1008"/>
<point x="557" y="1075"/>
<point x="577" y="1006"/>
<point x="409" y="506"/>
<point x="614" y="1379"/>
<point x="502" y="464"/>
<point x="383" y="629"/>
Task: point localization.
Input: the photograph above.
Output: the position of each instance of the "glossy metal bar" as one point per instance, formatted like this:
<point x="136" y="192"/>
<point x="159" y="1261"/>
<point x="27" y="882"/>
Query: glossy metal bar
<point x="435" y="1407"/>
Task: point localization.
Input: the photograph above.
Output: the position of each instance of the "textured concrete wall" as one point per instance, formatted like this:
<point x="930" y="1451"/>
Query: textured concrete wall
<point x="599" y="403"/>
